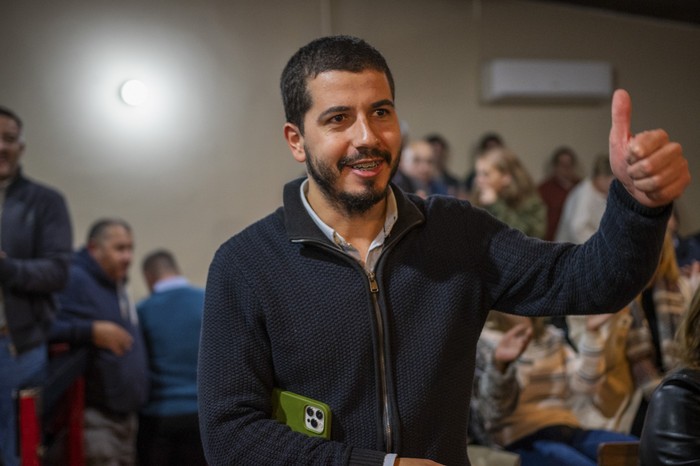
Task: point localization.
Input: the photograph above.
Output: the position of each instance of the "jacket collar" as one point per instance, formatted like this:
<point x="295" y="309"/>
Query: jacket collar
<point x="300" y="225"/>
<point x="17" y="181"/>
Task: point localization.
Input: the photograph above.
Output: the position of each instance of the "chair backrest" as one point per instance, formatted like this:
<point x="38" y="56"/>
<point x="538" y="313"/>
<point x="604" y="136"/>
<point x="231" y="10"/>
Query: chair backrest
<point x="618" y="454"/>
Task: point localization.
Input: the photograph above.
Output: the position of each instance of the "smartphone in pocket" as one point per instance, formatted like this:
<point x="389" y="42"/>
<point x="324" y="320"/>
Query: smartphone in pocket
<point x="302" y="414"/>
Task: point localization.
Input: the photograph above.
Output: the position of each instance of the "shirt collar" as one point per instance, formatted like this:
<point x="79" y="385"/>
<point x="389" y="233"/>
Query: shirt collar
<point x="170" y="283"/>
<point x="392" y="214"/>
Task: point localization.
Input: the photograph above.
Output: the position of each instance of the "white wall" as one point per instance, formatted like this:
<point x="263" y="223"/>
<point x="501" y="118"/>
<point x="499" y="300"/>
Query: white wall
<point x="206" y="156"/>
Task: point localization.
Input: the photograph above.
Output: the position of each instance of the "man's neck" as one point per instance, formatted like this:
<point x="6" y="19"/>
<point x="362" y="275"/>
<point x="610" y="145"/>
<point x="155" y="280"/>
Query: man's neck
<point x="358" y="229"/>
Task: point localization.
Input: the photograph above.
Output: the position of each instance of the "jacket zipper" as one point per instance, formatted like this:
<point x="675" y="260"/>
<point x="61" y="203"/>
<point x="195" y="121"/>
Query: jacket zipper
<point x="374" y="291"/>
<point x="386" y="418"/>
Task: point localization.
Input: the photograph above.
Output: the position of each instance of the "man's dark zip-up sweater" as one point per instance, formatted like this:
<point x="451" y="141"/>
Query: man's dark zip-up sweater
<point x="286" y="308"/>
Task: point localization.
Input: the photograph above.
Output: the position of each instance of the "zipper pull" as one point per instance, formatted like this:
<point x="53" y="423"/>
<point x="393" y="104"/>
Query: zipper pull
<point x="373" y="285"/>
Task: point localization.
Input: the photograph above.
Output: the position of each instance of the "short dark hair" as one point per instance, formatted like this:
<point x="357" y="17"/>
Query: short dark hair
<point x="97" y="230"/>
<point x="332" y="53"/>
<point x="159" y="260"/>
<point x="436" y="138"/>
<point x="601" y="166"/>
<point x="6" y="112"/>
<point x="489" y="140"/>
<point x="561" y="151"/>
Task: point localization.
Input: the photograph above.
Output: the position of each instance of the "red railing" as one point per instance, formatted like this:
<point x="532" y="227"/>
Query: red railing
<point x="50" y="418"/>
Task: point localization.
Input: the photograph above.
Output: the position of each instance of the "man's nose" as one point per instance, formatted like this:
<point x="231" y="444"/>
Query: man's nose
<point x="364" y="133"/>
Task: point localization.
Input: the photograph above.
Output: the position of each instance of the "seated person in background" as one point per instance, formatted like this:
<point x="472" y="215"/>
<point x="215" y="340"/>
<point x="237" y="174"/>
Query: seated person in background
<point x="441" y="153"/>
<point x="687" y="252"/>
<point x="664" y="302"/>
<point x="585" y="204"/>
<point x="640" y="348"/>
<point x="419" y="165"/>
<point x="563" y="176"/>
<point x="171" y="319"/>
<point x="506" y="190"/>
<point x="543" y="430"/>
<point x="499" y="352"/>
<point x="671" y="434"/>
<point x="487" y="142"/>
<point x="630" y="372"/>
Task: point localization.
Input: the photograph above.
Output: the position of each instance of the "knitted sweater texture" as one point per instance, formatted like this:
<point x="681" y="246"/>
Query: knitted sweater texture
<point x="285" y="308"/>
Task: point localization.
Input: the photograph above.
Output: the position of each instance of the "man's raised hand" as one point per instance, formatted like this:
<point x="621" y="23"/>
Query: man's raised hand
<point x="651" y="168"/>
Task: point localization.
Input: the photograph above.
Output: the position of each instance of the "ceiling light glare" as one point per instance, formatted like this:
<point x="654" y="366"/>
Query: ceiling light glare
<point x="134" y="92"/>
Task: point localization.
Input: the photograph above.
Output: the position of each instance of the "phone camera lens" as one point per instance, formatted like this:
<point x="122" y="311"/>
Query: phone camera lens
<point x="314" y="423"/>
<point x="319" y="415"/>
<point x="309" y="411"/>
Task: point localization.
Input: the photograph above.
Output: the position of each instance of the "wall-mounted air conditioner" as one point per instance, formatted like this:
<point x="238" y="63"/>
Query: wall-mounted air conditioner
<point x="524" y="80"/>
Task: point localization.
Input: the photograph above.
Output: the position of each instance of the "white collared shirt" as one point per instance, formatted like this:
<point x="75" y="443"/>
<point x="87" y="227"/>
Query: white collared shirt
<point x="375" y="249"/>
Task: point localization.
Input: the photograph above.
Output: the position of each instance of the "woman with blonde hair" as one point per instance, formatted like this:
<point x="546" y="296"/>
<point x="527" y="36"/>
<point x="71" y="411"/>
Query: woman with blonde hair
<point x="671" y="434"/>
<point x="507" y="191"/>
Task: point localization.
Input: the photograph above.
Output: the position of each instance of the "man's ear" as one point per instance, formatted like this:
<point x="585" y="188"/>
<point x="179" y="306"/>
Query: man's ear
<point x="91" y="247"/>
<point x="295" y="141"/>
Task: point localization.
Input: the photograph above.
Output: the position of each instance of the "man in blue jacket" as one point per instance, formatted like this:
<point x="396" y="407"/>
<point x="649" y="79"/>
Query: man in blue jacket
<point x="35" y="247"/>
<point x="372" y="301"/>
<point x="95" y="310"/>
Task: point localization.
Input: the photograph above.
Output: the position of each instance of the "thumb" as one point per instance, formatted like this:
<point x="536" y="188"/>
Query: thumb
<point x="621" y="123"/>
<point x="620" y="156"/>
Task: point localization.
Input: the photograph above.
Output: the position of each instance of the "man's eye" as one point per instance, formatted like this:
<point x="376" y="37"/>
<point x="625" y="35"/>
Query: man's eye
<point x="382" y="112"/>
<point x="337" y="118"/>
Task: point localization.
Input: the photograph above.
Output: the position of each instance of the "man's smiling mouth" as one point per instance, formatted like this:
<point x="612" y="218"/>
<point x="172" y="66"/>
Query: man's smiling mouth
<point x="366" y="165"/>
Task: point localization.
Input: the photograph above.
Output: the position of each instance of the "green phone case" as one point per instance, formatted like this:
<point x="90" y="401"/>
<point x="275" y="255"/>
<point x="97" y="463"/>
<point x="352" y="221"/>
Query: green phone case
<point x="301" y="414"/>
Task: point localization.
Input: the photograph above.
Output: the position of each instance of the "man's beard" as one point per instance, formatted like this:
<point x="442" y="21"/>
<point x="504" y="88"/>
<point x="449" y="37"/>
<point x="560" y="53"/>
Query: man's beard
<point x="349" y="203"/>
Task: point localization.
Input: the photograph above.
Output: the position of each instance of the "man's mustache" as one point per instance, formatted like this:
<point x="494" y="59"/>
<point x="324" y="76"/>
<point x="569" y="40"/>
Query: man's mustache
<point x="363" y="154"/>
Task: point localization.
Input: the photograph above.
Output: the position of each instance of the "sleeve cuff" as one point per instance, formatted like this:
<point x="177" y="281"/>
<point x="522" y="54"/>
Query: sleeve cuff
<point x="361" y="457"/>
<point x="625" y="198"/>
<point x="390" y="459"/>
